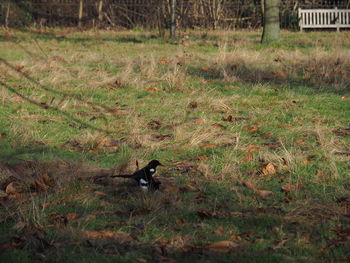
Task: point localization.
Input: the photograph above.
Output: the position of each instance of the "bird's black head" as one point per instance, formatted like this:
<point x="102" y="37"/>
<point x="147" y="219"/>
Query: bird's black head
<point x="154" y="163"/>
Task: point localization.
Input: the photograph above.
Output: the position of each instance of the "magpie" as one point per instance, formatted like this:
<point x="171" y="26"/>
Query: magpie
<point x="144" y="176"/>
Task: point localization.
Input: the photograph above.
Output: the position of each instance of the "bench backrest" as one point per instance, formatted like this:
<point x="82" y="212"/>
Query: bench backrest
<point x="324" y="18"/>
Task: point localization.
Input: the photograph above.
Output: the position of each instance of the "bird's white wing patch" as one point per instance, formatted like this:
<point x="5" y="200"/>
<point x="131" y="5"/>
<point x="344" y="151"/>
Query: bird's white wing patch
<point x="151" y="170"/>
<point x="142" y="181"/>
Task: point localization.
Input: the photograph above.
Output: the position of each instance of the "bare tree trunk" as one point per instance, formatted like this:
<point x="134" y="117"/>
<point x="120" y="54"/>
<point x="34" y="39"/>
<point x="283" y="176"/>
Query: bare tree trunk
<point x="7" y="14"/>
<point x="173" y="19"/>
<point x="271" y="31"/>
<point x="100" y="14"/>
<point x="81" y="7"/>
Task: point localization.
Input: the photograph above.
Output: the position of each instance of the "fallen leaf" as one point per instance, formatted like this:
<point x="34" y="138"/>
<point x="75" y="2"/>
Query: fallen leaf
<point x="269" y="169"/>
<point x="253" y="147"/>
<point x="310" y="68"/>
<point x="170" y="189"/>
<point x="179" y="221"/>
<point x="152" y="90"/>
<point x="19" y="67"/>
<point x="12" y="188"/>
<point x="204" y="82"/>
<point x="248" y="156"/>
<point x="41" y="183"/>
<point x="253" y="129"/>
<point x="193" y="104"/>
<point x="198" y="121"/>
<point x="221" y="246"/>
<point x="189" y="188"/>
<point x="219" y="231"/>
<point x="209" y="146"/>
<point x="262" y="193"/>
<point x="164" y="61"/>
<point x="99" y="193"/>
<point x="46" y="205"/>
<point x="281" y="74"/>
<point x="204" y="169"/>
<point x="344" y="97"/>
<point x="218" y="126"/>
<point x="70" y="216"/>
<point x="117" y="236"/>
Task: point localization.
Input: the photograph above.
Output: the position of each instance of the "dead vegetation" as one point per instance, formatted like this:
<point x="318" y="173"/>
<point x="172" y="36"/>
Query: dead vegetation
<point x="244" y="152"/>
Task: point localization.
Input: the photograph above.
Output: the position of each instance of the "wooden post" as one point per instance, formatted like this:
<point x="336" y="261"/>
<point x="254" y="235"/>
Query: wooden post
<point x="173" y="19"/>
<point x="81" y="7"/>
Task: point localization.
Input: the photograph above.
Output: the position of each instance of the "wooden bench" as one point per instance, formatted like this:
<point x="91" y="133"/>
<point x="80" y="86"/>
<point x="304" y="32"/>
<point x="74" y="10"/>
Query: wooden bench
<point x="324" y="18"/>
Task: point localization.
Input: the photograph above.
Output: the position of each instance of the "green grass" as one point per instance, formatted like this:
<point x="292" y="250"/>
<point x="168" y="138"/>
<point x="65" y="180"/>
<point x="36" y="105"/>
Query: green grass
<point x="90" y="98"/>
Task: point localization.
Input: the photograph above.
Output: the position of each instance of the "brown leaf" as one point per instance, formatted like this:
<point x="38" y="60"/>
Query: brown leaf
<point x="193" y="104"/>
<point x="219" y="231"/>
<point x="253" y="129"/>
<point x="204" y="82"/>
<point x="189" y="188"/>
<point x="198" y="120"/>
<point x="170" y="189"/>
<point x="12" y="188"/>
<point x="218" y="126"/>
<point x="204" y="169"/>
<point x="269" y="169"/>
<point x="152" y="90"/>
<point x="100" y="194"/>
<point x="291" y="187"/>
<point x="41" y="184"/>
<point x="209" y="146"/>
<point x="70" y="216"/>
<point x="281" y="74"/>
<point x="164" y="61"/>
<point x="179" y="221"/>
<point x="222" y="246"/>
<point x="250" y="184"/>
<point x="248" y="157"/>
<point x="253" y="147"/>
<point x="46" y="205"/>
<point x="19" y="67"/>
<point x="262" y="193"/>
<point x="117" y="236"/>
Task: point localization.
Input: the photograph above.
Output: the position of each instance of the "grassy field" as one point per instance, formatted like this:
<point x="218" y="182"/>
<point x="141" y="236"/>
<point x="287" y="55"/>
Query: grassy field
<point x="255" y="141"/>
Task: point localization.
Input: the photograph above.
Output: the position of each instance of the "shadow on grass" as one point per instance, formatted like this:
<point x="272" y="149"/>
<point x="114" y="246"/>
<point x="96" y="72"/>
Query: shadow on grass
<point x="260" y="76"/>
<point x="61" y="38"/>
